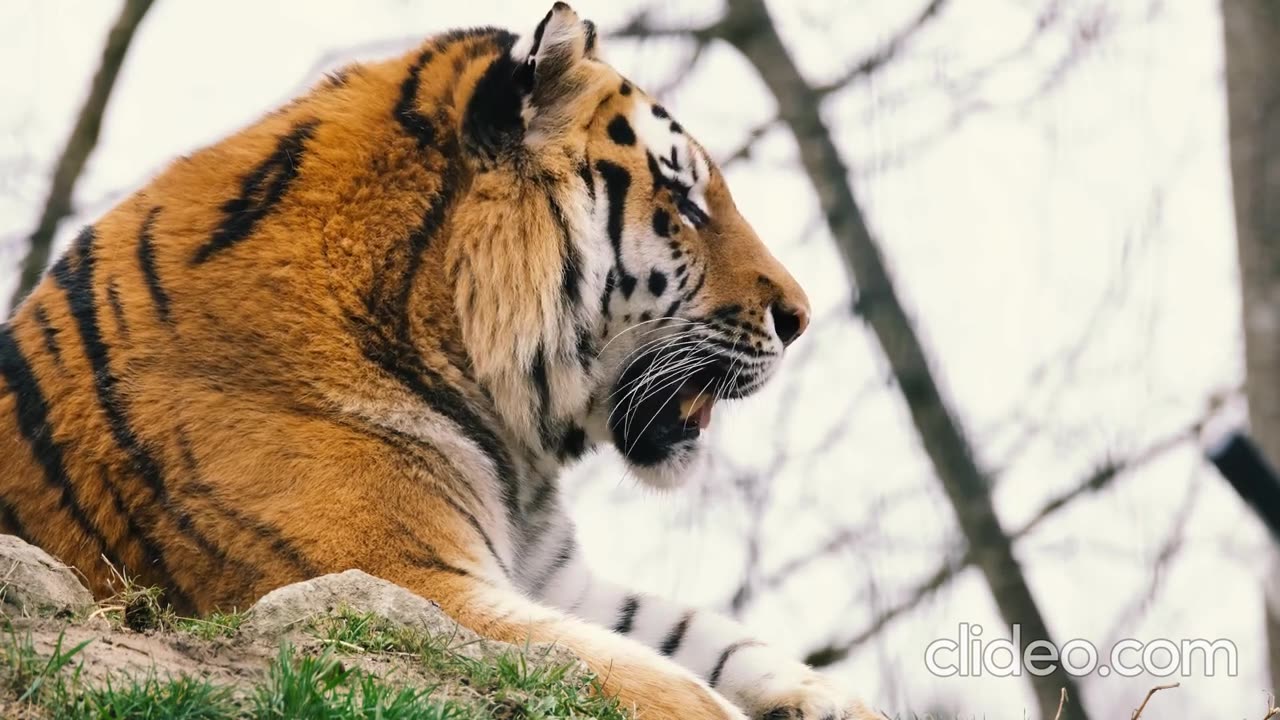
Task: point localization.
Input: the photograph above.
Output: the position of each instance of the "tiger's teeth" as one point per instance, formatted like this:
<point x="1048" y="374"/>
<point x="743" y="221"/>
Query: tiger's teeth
<point x="691" y="405"/>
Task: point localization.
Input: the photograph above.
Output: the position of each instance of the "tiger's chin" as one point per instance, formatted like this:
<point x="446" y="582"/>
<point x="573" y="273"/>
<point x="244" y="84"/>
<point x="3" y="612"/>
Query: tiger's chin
<point x="680" y="464"/>
<point x="660" y="431"/>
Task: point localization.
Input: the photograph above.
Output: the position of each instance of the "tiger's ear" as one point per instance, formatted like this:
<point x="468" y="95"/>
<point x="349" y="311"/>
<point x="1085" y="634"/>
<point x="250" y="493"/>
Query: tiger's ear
<point x="549" y="60"/>
<point x="529" y="94"/>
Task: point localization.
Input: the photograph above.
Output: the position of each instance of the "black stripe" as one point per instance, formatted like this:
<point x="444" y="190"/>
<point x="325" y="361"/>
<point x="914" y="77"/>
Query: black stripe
<point x="406" y="112"/>
<point x="662" y="223"/>
<point x="558" y="563"/>
<point x="606" y="296"/>
<point x="195" y="486"/>
<point x="584" y="171"/>
<point x="404" y="443"/>
<point x="726" y="312"/>
<point x="573" y="444"/>
<point x="385" y="341"/>
<point x="586" y="347"/>
<point x="714" y="677"/>
<point x="548" y="426"/>
<point x="734" y="346"/>
<point x="741" y="327"/>
<point x="541" y="496"/>
<point x="429" y="387"/>
<point x="627" y="616"/>
<point x="33" y="423"/>
<point x="49" y="334"/>
<point x="657" y="178"/>
<point x="616" y="183"/>
<point x="537" y="34"/>
<point x="260" y="191"/>
<point x="423" y="555"/>
<point x="475" y="525"/>
<point x="696" y="287"/>
<point x="78" y="285"/>
<point x="691" y="210"/>
<point x="591" y="36"/>
<point x="147" y="261"/>
<point x="9" y="518"/>
<point x="492" y="121"/>
<point x="570" y="262"/>
<point x="117" y="310"/>
<point x="408" y="444"/>
<point x="671" y="644"/>
<point x="153" y="557"/>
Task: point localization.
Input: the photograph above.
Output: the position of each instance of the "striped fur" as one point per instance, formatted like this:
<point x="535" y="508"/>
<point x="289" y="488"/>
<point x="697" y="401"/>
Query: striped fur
<point x="369" y="330"/>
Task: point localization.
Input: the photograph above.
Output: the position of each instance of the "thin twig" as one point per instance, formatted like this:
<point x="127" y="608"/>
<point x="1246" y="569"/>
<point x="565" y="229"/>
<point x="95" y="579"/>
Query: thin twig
<point x="1138" y="713"/>
<point x="878" y="58"/>
<point x="1062" y="701"/>
<point x="84" y="137"/>
<point x="1272" y="710"/>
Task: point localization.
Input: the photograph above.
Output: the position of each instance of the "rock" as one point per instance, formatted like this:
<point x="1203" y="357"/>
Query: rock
<point x="32" y="583"/>
<point x="293" y="607"/>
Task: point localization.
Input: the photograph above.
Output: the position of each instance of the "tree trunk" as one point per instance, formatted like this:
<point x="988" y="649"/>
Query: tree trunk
<point x="1251" y="30"/>
<point x="748" y="27"/>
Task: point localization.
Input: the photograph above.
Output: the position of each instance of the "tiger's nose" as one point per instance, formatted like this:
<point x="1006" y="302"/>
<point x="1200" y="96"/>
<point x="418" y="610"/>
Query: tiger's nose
<point x="789" y="321"/>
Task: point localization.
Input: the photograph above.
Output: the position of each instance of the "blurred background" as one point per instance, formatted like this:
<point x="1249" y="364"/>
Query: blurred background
<point x="1029" y="258"/>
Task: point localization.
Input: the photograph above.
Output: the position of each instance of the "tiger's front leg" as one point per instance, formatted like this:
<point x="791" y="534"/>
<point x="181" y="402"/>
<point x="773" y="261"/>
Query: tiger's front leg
<point x="764" y="682"/>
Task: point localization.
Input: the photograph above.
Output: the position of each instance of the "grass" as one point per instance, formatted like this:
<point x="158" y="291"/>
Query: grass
<point x="30" y="677"/>
<point x="216" y="625"/>
<point x="322" y="688"/>
<point x="510" y="685"/>
<point x="321" y="683"/>
<point x="143" y="609"/>
<point x="152" y="698"/>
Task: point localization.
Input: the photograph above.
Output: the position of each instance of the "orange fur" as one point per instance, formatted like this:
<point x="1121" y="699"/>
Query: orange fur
<point x="199" y="415"/>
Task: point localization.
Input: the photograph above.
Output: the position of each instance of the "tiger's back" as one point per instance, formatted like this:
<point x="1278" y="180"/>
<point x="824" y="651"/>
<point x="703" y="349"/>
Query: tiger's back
<point x="251" y="279"/>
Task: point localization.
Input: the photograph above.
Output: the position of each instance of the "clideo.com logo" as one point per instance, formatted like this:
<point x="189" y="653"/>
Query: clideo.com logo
<point x="969" y="654"/>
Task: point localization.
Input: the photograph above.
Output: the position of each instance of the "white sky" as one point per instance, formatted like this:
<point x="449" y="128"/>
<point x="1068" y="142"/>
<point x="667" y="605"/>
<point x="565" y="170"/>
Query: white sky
<point x="1099" y="209"/>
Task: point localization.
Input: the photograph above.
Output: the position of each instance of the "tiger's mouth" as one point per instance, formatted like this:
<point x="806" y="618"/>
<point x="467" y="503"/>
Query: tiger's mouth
<point x="663" y="403"/>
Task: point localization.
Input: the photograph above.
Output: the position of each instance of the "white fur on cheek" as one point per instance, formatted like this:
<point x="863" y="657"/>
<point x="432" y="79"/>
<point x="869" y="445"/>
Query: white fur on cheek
<point x="656" y="135"/>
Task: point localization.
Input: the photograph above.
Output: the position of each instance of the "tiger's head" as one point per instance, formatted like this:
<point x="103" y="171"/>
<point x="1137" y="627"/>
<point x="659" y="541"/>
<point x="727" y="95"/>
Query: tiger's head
<point x="657" y="300"/>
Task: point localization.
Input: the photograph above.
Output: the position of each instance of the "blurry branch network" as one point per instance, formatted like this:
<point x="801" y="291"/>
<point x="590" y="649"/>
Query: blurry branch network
<point x="748" y="27"/>
<point x="1102" y="477"/>
<point x="83" y="139"/>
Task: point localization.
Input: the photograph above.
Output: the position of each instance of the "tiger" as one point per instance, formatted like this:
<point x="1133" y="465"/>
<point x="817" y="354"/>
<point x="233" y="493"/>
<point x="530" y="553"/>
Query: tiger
<point x="371" y="329"/>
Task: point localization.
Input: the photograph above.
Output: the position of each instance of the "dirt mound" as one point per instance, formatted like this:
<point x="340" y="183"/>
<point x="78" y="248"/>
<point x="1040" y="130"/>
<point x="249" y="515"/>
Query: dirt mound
<point x="348" y="645"/>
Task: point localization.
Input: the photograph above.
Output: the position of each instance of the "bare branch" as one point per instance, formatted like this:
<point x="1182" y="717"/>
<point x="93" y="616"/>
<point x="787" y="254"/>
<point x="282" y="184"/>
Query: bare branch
<point x="837" y="652"/>
<point x="1096" y="481"/>
<point x="886" y="52"/>
<point x="1108" y="472"/>
<point x="84" y="137"/>
<point x="753" y="136"/>
<point x="641" y="27"/>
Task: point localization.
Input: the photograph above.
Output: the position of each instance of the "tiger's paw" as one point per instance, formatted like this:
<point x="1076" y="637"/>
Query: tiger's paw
<point x="805" y="695"/>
